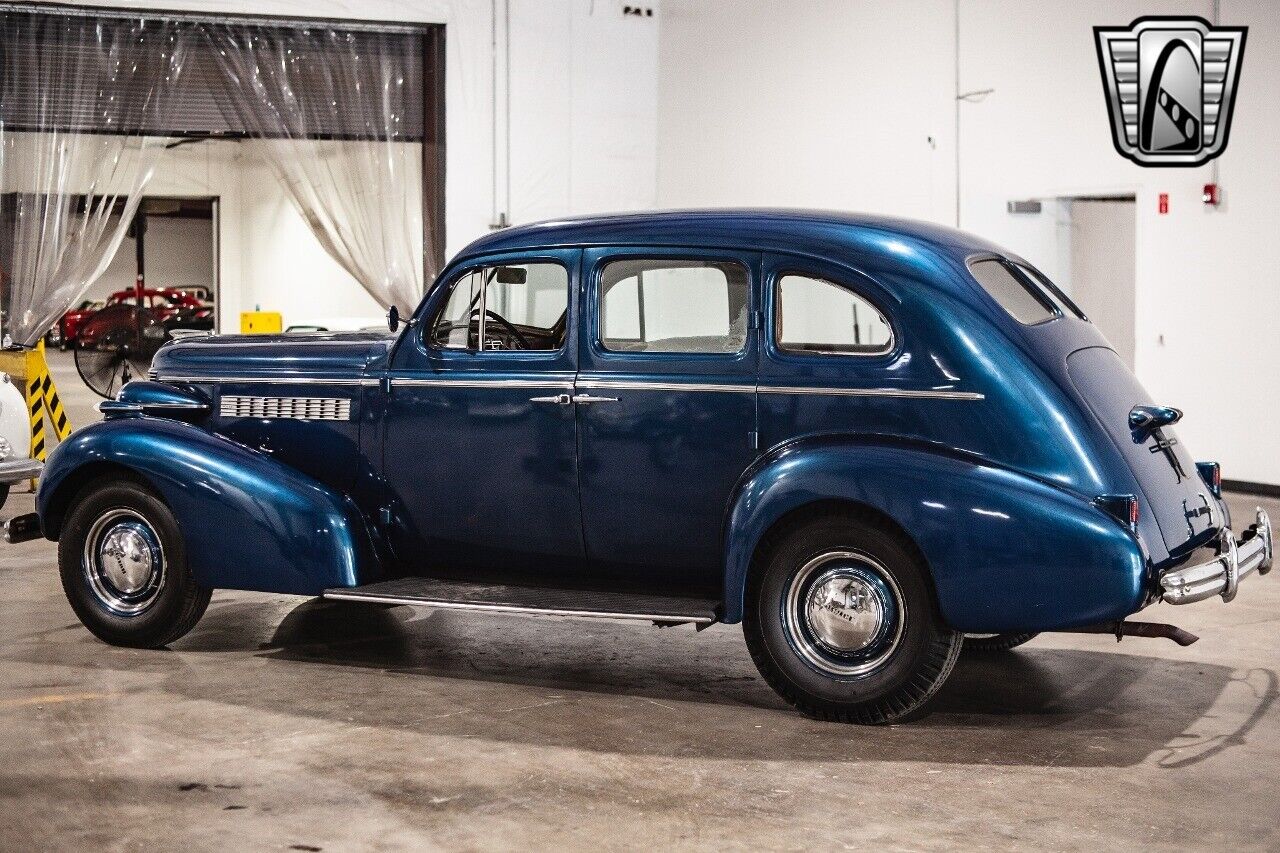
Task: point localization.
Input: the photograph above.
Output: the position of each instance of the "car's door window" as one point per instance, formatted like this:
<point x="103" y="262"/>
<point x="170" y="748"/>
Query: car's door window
<point x="674" y="306"/>
<point x="814" y="315"/>
<point x="505" y="307"/>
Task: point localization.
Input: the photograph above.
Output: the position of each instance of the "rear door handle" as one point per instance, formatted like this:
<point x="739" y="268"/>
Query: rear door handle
<point x="557" y="399"/>
<point x="591" y="398"/>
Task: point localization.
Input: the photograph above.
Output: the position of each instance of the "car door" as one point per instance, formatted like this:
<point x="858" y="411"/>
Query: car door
<point x="480" y="439"/>
<point x="831" y="356"/>
<point x="666" y="410"/>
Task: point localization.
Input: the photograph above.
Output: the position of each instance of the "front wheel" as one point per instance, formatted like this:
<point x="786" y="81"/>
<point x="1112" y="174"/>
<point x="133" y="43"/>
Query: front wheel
<point x="124" y="567"/>
<point x="841" y="621"/>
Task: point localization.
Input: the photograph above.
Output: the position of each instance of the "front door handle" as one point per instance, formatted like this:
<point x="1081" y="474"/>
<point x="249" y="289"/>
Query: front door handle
<point x="557" y="399"/>
<point x="591" y="398"/>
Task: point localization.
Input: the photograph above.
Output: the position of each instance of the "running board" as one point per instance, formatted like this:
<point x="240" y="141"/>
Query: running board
<point x="544" y="601"/>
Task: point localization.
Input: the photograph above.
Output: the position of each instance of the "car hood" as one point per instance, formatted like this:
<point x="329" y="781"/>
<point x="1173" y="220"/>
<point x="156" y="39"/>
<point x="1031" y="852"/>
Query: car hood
<point x="306" y="356"/>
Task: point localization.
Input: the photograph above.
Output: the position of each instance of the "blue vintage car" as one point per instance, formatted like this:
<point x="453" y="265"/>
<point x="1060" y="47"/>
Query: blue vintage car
<point x="863" y="438"/>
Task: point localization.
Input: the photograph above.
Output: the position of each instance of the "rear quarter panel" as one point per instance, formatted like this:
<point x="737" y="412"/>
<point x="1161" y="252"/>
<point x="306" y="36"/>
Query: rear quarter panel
<point x="1006" y="552"/>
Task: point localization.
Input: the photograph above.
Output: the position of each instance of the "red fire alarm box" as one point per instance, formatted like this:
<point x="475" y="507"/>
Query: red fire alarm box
<point x="1210" y="194"/>
<point x="1164" y="203"/>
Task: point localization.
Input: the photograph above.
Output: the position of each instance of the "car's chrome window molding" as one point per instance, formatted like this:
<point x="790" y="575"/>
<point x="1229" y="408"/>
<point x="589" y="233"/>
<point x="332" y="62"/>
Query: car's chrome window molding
<point x="1033" y="288"/>
<point x="599" y="340"/>
<point x="857" y="293"/>
<point x="1055" y="293"/>
<point x="425" y="333"/>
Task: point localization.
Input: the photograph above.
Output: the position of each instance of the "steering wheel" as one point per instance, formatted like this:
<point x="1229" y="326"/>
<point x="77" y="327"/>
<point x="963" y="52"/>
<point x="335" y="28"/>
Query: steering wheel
<point x="506" y="324"/>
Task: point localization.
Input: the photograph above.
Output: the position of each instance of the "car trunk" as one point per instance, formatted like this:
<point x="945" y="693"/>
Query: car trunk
<point x="1172" y="490"/>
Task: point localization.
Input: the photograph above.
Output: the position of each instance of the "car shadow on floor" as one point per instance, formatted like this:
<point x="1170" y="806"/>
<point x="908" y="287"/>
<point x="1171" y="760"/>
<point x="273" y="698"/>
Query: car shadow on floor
<point x="603" y="686"/>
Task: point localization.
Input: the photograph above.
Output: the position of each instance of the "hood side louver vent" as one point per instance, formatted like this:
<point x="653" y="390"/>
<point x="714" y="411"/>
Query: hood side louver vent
<point x="295" y="408"/>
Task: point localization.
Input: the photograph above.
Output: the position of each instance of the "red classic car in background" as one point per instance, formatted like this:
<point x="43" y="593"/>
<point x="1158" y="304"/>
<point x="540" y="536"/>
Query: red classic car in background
<point x="64" y="331"/>
<point x="172" y="307"/>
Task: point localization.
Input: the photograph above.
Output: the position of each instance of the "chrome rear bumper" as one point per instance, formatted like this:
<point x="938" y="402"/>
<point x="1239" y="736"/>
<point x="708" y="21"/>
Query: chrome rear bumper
<point x="1236" y="560"/>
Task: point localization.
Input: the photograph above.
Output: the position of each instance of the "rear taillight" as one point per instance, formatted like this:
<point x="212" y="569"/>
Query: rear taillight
<point x="1124" y="508"/>
<point x="1211" y="473"/>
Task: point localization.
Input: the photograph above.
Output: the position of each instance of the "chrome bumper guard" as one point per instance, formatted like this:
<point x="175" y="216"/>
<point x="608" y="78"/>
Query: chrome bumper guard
<point x="17" y="470"/>
<point x="1236" y="560"/>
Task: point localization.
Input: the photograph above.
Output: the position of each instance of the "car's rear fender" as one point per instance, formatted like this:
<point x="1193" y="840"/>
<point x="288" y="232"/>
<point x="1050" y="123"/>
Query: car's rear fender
<point x="1006" y="552"/>
<point x="249" y="522"/>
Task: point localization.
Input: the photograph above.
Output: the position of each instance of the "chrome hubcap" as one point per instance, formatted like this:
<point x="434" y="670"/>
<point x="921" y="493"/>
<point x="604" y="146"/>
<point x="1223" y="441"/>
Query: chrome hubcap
<point x="124" y="562"/>
<point x="844" y="613"/>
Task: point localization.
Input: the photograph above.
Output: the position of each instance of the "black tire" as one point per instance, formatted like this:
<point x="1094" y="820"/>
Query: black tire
<point x="889" y="680"/>
<point x="992" y="643"/>
<point x="168" y="602"/>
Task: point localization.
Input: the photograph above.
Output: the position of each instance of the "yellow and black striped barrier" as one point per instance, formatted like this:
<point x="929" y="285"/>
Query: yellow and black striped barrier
<point x="32" y="372"/>
<point x="42" y="399"/>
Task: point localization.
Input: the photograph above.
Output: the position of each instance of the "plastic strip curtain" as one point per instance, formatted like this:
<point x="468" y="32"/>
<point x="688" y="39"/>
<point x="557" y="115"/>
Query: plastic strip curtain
<point x="75" y="95"/>
<point x="332" y="132"/>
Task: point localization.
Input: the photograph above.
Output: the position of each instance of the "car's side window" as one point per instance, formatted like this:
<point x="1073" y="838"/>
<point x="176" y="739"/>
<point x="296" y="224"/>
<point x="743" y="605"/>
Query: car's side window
<point x="1016" y="294"/>
<point x="1054" y="292"/>
<point x="814" y="315"/>
<point x="674" y="306"/>
<point x="508" y="307"/>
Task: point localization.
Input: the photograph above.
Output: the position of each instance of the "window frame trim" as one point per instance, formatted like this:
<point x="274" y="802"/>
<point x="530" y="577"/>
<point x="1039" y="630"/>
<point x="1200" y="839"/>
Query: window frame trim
<point x="1033" y="288"/>
<point x="657" y="255"/>
<point x="424" y="334"/>
<point x="775" y="342"/>
<point x="1056" y="293"/>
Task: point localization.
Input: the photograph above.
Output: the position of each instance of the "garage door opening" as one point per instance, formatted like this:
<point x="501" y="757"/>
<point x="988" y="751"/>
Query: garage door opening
<point x="339" y="122"/>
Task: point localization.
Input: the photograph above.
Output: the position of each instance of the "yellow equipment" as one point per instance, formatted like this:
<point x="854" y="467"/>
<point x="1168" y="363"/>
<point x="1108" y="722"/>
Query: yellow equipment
<point x="261" y="322"/>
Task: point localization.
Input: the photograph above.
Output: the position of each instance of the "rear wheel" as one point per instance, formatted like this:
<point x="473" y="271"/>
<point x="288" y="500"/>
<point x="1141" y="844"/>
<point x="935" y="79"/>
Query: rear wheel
<point x="124" y="568"/>
<point x="992" y="643"/>
<point x="841" y="621"/>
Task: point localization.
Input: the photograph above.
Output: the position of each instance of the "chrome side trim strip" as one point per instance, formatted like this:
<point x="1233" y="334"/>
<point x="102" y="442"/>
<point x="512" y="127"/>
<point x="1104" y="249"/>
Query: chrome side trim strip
<point x="643" y="385"/>
<point x="928" y="394"/>
<point x="567" y="382"/>
<point x="559" y="382"/>
<point x="176" y="404"/>
<point x="513" y="608"/>
<point x="272" y="380"/>
<point x="109" y="407"/>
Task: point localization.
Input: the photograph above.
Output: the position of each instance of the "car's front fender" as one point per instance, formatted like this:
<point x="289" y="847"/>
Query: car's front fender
<point x="1006" y="552"/>
<point x="248" y="521"/>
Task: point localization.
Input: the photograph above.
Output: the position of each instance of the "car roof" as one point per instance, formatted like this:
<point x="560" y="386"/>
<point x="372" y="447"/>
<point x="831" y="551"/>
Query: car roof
<point x="150" y="291"/>
<point x="800" y="231"/>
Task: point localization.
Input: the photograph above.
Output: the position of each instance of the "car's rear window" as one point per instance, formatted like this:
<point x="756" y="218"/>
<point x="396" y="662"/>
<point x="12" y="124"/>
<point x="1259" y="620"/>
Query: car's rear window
<point x="1054" y="292"/>
<point x="1024" y="302"/>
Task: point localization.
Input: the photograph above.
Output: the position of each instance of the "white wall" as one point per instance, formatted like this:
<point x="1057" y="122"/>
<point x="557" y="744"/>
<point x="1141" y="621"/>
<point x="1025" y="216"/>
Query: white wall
<point x="817" y="103"/>
<point x="1103" y="266"/>
<point x="584" y="101"/>
<point x="824" y="103"/>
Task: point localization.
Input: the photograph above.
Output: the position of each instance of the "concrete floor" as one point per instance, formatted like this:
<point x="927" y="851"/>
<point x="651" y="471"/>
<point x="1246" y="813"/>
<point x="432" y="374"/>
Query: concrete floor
<point x="283" y="723"/>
